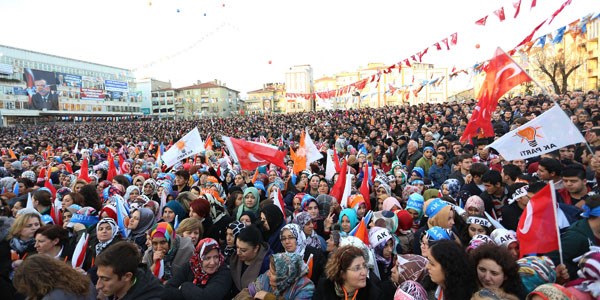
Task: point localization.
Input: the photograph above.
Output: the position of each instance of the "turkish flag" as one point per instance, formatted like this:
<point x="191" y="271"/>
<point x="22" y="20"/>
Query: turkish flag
<point x="83" y="171"/>
<point x="112" y="169"/>
<point x="502" y="74"/>
<point x="364" y="186"/>
<point x="337" y="190"/>
<point x="538" y="230"/>
<point x="251" y="155"/>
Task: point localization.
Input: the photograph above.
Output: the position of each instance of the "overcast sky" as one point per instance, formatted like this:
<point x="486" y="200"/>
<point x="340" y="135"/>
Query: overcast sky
<point x="234" y="41"/>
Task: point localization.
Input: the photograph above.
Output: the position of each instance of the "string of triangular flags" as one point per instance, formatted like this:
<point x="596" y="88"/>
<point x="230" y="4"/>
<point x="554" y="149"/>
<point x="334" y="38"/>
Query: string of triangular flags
<point x="577" y="26"/>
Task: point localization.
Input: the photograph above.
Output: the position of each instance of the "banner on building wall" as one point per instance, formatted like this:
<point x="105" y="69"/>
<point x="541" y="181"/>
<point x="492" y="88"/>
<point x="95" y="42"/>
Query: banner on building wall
<point x="64" y="79"/>
<point x="92" y="94"/>
<point x="6" y="69"/>
<point x="41" y="88"/>
<point x="19" y="91"/>
<point x="116" y="86"/>
<point x="114" y="95"/>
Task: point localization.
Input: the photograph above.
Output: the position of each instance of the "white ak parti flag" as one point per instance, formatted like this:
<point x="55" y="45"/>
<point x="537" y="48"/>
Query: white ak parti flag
<point x="188" y="145"/>
<point x="550" y="131"/>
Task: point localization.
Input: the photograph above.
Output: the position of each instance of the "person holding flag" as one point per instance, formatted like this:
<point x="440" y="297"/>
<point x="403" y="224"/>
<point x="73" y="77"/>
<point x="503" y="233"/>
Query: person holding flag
<point x="578" y="238"/>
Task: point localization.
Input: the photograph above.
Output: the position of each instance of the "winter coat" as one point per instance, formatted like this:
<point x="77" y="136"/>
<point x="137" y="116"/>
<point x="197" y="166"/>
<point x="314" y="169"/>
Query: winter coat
<point x="575" y="242"/>
<point x="182" y="286"/>
<point x="326" y="291"/>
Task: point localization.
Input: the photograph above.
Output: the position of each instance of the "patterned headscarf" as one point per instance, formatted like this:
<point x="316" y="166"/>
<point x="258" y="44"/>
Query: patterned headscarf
<point x="324" y="202"/>
<point x="236" y="227"/>
<point x="297" y="232"/>
<point x="115" y="230"/>
<point x="411" y="267"/>
<point x="204" y="246"/>
<point x="410" y="290"/>
<point x="588" y="271"/>
<point x="409" y="190"/>
<point x="217" y="210"/>
<point x="163" y="229"/>
<point x="152" y="183"/>
<point x="475" y="201"/>
<point x="130" y="189"/>
<point x="62" y="192"/>
<point x="535" y="271"/>
<point x="302" y="219"/>
<point x="552" y="291"/>
<point x="453" y="186"/>
<point x="289" y="267"/>
<point x="478" y="240"/>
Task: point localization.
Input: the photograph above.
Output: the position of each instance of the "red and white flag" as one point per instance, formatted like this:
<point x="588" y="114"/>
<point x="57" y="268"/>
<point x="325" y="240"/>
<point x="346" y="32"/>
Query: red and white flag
<point x="538" y="229"/>
<point x="251" y="155"/>
<point x="306" y="153"/>
<point x="79" y="253"/>
<point x="502" y="74"/>
<point x="329" y="166"/>
<point x="83" y="171"/>
<point x="278" y="200"/>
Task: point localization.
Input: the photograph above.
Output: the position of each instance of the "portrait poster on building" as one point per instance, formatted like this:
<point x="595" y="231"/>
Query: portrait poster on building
<point x="41" y="88"/>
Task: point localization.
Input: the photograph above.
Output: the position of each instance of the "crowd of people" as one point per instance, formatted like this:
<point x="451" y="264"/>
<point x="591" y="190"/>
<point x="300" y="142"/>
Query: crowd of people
<point x="88" y="212"/>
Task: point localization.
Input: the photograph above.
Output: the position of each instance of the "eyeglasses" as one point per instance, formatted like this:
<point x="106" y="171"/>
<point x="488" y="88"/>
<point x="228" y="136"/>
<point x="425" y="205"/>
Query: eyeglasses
<point x="285" y="238"/>
<point x="358" y="268"/>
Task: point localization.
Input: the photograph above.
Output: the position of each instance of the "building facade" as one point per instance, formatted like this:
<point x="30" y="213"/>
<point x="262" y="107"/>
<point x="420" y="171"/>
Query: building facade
<point x="299" y="80"/>
<point x="209" y="99"/>
<point x="269" y="99"/>
<point x="38" y="87"/>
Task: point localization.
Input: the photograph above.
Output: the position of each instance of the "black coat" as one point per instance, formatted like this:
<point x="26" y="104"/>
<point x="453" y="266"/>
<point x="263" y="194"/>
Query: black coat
<point x="146" y="287"/>
<point x="181" y="286"/>
<point x="326" y="291"/>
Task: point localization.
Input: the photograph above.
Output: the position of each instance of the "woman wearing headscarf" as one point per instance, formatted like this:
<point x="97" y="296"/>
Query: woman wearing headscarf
<point x="173" y="213"/>
<point x="140" y="221"/>
<point x="294" y="241"/>
<point x="272" y="221"/>
<point x="285" y="280"/>
<point x="410" y="290"/>
<point x="131" y="194"/>
<point x="347" y="220"/>
<point x="450" y="190"/>
<point x="168" y="252"/>
<point x="205" y="277"/>
<point x="312" y="238"/>
<point x="233" y="229"/>
<point x="150" y="188"/>
<point x="440" y="213"/>
<point x="250" y="202"/>
<point x="383" y="244"/>
<point x="216" y="225"/>
<point x="474" y="206"/>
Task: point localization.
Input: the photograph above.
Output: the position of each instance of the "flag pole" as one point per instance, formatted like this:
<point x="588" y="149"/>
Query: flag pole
<point x="560" y="251"/>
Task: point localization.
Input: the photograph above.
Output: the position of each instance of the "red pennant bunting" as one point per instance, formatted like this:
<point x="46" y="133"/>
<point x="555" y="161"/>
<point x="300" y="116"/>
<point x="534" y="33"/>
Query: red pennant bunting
<point x="517" y="6"/>
<point x="481" y="21"/>
<point x="500" y="14"/>
<point x="437" y="46"/>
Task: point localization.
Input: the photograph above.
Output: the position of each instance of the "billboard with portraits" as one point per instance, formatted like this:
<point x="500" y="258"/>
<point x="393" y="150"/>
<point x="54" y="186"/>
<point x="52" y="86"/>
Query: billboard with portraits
<point x="41" y="88"/>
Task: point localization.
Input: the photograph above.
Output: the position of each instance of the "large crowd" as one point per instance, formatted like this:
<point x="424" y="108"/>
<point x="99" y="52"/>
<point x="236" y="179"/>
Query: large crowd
<point x="89" y="212"/>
